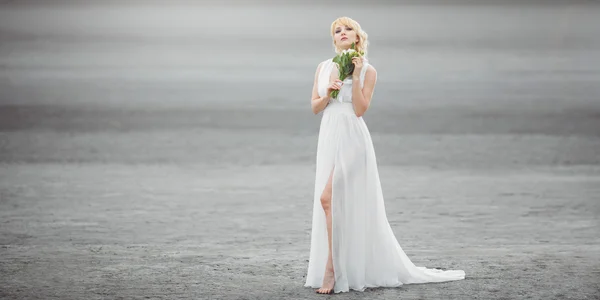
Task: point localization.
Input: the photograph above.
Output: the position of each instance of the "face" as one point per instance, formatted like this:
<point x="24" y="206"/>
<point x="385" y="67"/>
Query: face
<point x="344" y="36"/>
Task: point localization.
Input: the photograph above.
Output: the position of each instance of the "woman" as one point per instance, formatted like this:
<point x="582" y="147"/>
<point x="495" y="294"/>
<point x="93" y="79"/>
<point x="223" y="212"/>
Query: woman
<point x="352" y="243"/>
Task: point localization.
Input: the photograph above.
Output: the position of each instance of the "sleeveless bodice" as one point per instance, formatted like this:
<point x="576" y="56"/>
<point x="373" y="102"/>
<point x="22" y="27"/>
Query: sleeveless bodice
<point x="345" y="95"/>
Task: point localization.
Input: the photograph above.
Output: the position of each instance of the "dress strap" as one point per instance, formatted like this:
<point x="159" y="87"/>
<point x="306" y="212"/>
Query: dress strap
<point x="363" y="71"/>
<point x="324" y="74"/>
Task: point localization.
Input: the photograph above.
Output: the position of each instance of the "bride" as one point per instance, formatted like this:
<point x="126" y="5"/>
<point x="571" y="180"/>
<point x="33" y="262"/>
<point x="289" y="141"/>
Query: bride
<point x="352" y="243"/>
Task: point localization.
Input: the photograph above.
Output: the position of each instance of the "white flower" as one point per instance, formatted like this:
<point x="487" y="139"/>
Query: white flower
<point x="348" y="51"/>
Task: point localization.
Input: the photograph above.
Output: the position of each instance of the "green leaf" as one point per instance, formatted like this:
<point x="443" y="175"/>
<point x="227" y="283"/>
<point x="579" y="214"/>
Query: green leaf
<point x="334" y="93"/>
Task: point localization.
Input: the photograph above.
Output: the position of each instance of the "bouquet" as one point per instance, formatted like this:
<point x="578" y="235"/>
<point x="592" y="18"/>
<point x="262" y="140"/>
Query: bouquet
<point x="345" y="65"/>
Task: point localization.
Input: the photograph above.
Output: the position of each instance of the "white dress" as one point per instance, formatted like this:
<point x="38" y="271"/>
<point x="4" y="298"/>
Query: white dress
<point x="364" y="248"/>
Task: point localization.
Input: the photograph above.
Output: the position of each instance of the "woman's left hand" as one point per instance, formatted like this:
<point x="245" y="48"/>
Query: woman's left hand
<point x="358" y="65"/>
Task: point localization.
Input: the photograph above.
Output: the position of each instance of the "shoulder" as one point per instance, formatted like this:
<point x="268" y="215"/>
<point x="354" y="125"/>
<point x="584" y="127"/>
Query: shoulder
<point x="370" y="67"/>
<point x="371" y="72"/>
<point x="323" y="63"/>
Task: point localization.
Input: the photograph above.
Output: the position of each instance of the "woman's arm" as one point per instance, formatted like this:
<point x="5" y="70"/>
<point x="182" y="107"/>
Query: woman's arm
<point x="361" y="96"/>
<point x="318" y="103"/>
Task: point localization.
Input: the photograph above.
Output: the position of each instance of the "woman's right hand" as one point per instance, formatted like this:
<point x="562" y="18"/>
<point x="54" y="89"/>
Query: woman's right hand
<point x="334" y="85"/>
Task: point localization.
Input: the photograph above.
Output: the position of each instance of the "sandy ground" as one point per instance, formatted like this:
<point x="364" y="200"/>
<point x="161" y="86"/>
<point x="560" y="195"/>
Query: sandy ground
<point x="166" y="151"/>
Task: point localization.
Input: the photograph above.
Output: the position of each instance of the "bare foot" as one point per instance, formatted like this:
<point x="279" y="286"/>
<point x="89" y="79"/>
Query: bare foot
<point x="328" y="282"/>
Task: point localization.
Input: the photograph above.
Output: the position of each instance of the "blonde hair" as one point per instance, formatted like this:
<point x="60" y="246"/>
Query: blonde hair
<point x="363" y="41"/>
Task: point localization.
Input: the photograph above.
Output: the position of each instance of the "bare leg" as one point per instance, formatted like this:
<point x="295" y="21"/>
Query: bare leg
<point x="328" y="279"/>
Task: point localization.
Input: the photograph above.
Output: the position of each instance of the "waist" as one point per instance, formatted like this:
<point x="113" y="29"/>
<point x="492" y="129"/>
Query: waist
<point x="337" y="108"/>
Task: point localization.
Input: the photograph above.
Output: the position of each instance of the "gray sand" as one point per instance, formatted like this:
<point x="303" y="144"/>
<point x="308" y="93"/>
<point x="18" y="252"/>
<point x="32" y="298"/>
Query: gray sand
<point x="155" y="150"/>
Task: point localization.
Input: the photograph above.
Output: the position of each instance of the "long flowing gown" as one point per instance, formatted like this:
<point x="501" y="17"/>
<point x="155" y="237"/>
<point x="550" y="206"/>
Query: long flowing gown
<point x="364" y="248"/>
